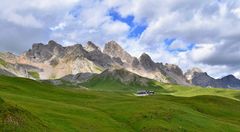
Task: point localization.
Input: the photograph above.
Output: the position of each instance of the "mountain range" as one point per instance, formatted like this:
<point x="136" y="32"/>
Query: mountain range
<point x="78" y="63"/>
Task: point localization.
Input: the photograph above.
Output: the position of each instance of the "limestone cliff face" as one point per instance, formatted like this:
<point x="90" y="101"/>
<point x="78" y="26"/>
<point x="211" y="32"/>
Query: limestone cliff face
<point x="56" y="61"/>
<point x="91" y="46"/>
<point x="9" y="67"/>
<point x="196" y="77"/>
<point x="41" y="52"/>
<point x="53" y="61"/>
<point x="147" y="63"/>
<point x="144" y="66"/>
<point x="124" y="76"/>
<point x="189" y="75"/>
<point x="113" y="49"/>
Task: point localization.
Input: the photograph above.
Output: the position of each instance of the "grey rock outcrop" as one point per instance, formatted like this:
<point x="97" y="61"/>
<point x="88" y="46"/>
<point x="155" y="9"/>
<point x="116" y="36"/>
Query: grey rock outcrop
<point x="91" y="46"/>
<point x="53" y="61"/>
<point x="174" y="68"/>
<point x="124" y="76"/>
<point x="41" y="52"/>
<point x="230" y="81"/>
<point x="147" y="63"/>
<point x="204" y="80"/>
<point x="199" y="78"/>
<point x="100" y="59"/>
<point x="135" y="63"/>
<point x="6" y="73"/>
<point x="191" y="72"/>
<point x="78" y="78"/>
<point x="113" y="49"/>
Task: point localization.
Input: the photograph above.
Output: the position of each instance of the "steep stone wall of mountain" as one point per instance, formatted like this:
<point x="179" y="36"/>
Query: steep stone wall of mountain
<point x="144" y="66"/>
<point x="78" y="78"/>
<point x="15" y="69"/>
<point x="113" y="49"/>
<point x="196" y="77"/>
<point x="147" y="63"/>
<point x="190" y="73"/>
<point x="53" y="61"/>
<point x="230" y="81"/>
<point x="124" y="76"/>
<point x="91" y="46"/>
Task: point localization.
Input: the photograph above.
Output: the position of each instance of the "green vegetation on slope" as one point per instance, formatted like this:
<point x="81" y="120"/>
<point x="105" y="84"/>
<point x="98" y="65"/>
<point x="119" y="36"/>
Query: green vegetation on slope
<point x="111" y="84"/>
<point x="184" y="91"/>
<point x="3" y="63"/>
<point x="98" y="69"/>
<point x="34" y="74"/>
<point x="13" y="118"/>
<point x="76" y="109"/>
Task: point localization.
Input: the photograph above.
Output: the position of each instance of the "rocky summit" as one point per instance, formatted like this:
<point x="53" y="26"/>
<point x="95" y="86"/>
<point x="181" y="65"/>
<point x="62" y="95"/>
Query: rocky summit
<point x="78" y="63"/>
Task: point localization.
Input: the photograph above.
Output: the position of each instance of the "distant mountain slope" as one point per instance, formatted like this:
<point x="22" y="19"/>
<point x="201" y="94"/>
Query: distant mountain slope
<point x="53" y="61"/>
<point x="200" y="78"/>
<point x="120" y="79"/>
<point x="21" y="70"/>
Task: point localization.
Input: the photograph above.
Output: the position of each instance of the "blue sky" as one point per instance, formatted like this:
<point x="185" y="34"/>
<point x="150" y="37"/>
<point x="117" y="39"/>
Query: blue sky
<point x="188" y="33"/>
<point x="136" y="29"/>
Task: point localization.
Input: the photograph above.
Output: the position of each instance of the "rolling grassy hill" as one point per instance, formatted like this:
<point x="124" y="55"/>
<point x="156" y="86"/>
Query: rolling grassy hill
<point x="111" y="84"/>
<point x="13" y="118"/>
<point x="108" y="106"/>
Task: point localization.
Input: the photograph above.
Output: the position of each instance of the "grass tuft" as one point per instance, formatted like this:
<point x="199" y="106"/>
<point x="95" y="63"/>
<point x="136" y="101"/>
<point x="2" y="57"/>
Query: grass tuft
<point x="3" y="63"/>
<point x="34" y="74"/>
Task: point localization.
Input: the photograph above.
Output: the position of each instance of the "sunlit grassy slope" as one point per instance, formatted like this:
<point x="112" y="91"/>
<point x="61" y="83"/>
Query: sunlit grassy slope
<point x="184" y="91"/>
<point x="76" y="109"/>
<point x="110" y="84"/>
<point x="13" y="118"/>
<point x="166" y="89"/>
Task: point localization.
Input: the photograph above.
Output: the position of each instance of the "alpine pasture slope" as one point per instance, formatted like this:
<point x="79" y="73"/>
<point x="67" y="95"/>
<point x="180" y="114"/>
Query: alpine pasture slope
<point x="101" y="106"/>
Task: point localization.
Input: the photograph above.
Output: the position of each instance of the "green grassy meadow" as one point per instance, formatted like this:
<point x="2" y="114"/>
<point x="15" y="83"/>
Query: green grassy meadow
<point x="108" y="105"/>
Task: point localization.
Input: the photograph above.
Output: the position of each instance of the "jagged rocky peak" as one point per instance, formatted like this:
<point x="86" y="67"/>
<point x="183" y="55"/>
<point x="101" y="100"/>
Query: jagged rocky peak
<point x="124" y="76"/>
<point x="160" y="65"/>
<point x="229" y="77"/>
<point x="135" y="62"/>
<point x="113" y="49"/>
<point x="100" y="58"/>
<point x="112" y="45"/>
<point x="204" y="80"/>
<point x="90" y="46"/>
<point x="53" y="44"/>
<point x="56" y="48"/>
<point x="146" y="62"/>
<point x="41" y="52"/>
<point x="118" y="60"/>
<point x="174" y="68"/>
<point x="8" y="57"/>
<point x="189" y="75"/>
<point x="230" y="81"/>
<point x="50" y="46"/>
<point x="76" y="49"/>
